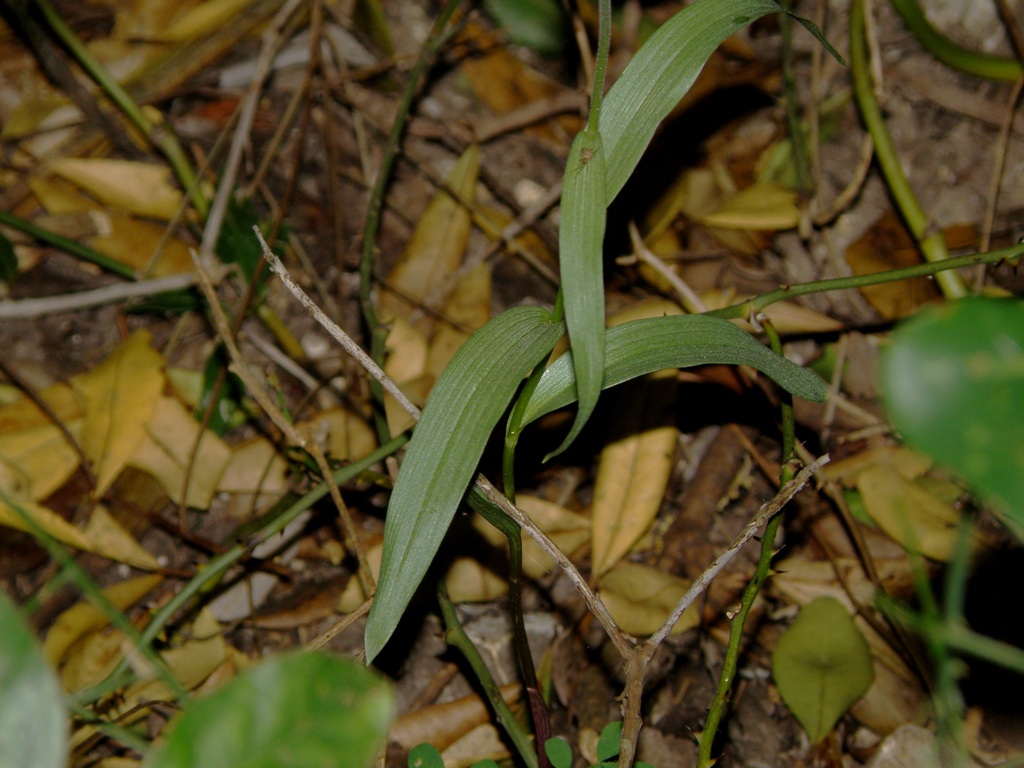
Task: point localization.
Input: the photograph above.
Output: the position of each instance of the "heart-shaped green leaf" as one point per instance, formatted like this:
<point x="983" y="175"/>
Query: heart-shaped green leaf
<point x="674" y="341"/>
<point x="33" y="722"/>
<point x="468" y="399"/>
<point x="822" y="665"/>
<point x="953" y="382"/>
<point x="299" y="710"/>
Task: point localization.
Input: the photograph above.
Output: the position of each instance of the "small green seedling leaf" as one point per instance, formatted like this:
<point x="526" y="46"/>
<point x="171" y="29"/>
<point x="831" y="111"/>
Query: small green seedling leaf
<point x="661" y="73"/>
<point x="33" y="722"/>
<point x="953" y="384"/>
<point x="425" y="756"/>
<point x="676" y="341"/>
<point x="580" y="244"/>
<point x="822" y="665"/>
<point x="297" y="710"/>
<point x="470" y="396"/>
<point x="559" y="753"/>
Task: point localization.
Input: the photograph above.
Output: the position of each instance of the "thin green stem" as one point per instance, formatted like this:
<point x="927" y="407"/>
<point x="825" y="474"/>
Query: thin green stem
<point x="375" y="208"/>
<point x="797" y="137"/>
<point x="159" y="135"/>
<point x="457" y="637"/>
<point x="931" y="242"/>
<point x="214" y="570"/>
<point x="69" y="246"/>
<point x="91" y="590"/>
<point x="758" y="303"/>
<point x="953" y="54"/>
<point x="604" y="38"/>
<point x="720" y="702"/>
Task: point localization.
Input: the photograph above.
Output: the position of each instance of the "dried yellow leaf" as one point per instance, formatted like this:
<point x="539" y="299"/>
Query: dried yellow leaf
<point x="140" y="188"/>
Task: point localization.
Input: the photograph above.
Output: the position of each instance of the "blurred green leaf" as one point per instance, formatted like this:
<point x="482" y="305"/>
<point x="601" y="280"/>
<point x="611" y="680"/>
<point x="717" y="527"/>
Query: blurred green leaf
<point x="235" y="243"/>
<point x="822" y="665"/>
<point x="294" y="710"/>
<point x="470" y="396"/>
<point x="675" y="341"/>
<point x="227" y="411"/>
<point x="425" y="756"/>
<point x="33" y="721"/>
<point x="953" y="383"/>
<point x="537" y="24"/>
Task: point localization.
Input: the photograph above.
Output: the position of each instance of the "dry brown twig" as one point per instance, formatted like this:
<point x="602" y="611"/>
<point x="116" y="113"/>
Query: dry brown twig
<point x="636" y="655"/>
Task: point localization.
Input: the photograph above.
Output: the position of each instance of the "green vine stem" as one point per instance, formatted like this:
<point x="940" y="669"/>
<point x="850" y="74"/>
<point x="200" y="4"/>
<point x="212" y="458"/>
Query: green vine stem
<point x="215" y="569"/>
<point x="375" y="208"/>
<point x="69" y="246"/>
<point x="953" y="54"/>
<point x="159" y="135"/>
<point x="720" y="702"/>
<point x="930" y="241"/>
<point x="457" y="637"/>
<point x="753" y="306"/>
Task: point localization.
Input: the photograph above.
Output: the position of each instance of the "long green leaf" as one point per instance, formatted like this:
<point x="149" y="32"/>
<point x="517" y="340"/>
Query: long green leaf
<point x="676" y="341"/>
<point x="661" y="73"/>
<point x="466" y="403"/>
<point x="580" y="245"/>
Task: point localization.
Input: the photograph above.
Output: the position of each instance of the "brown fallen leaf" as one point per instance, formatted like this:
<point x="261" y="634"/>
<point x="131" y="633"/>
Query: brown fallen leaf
<point x="442" y="724"/>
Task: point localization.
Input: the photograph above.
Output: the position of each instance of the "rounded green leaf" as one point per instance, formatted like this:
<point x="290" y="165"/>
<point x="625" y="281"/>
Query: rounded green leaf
<point x="425" y="756"/>
<point x="559" y="753"/>
<point x="822" y="665"/>
<point x="953" y="383"/>
<point x="643" y="346"/>
<point x="33" y="722"/>
<point x="299" y="710"/>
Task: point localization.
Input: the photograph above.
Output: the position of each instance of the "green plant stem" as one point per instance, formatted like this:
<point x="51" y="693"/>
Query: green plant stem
<point x="91" y="590"/>
<point x="375" y="208"/>
<point x="457" y="637"/>
<point x="159" y="135"/>
<point x="520" y="642"/>
<point x="953" y="54"/>
<point x="720" y="702"/>
<point x="218" y="566"/>
<point x="126" y="736"/>
<point x="753" y="306"/>
<point x="604" y="38"/>
<point x="797" y="137"/>
<point x="931" y="242"/>
<point x="70" y="246"/>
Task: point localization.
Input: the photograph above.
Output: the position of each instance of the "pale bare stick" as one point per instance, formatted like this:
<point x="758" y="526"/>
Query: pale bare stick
<point x="332" y="328"/>
<point x="238" y="364"/>
<point x="639" y="658"/>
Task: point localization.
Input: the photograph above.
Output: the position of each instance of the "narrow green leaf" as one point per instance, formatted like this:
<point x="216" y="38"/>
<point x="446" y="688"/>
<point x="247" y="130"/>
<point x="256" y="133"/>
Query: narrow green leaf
<point x="675" y="341"/>
<point x="464" y="406"/>
<point x="581" y="244"/>
<point x="33" y="723"/>
<point x="661" y="73"/>
<point x="953" y="383"/>
<point x="822" y="665"/>
<point x="296" y="710"/>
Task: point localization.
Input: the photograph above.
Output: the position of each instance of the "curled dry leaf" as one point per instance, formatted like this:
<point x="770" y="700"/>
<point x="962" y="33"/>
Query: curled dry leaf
<point x="634" y="469"/>
<point x="443" y="724"/>
<point x="166" y="453"/>
<point x="140" y="188"/>
<point x="84" y="617"/>
<point x="118" y="398"/>
<point x="35" y="458"/>
<point x="640" y="599"/>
